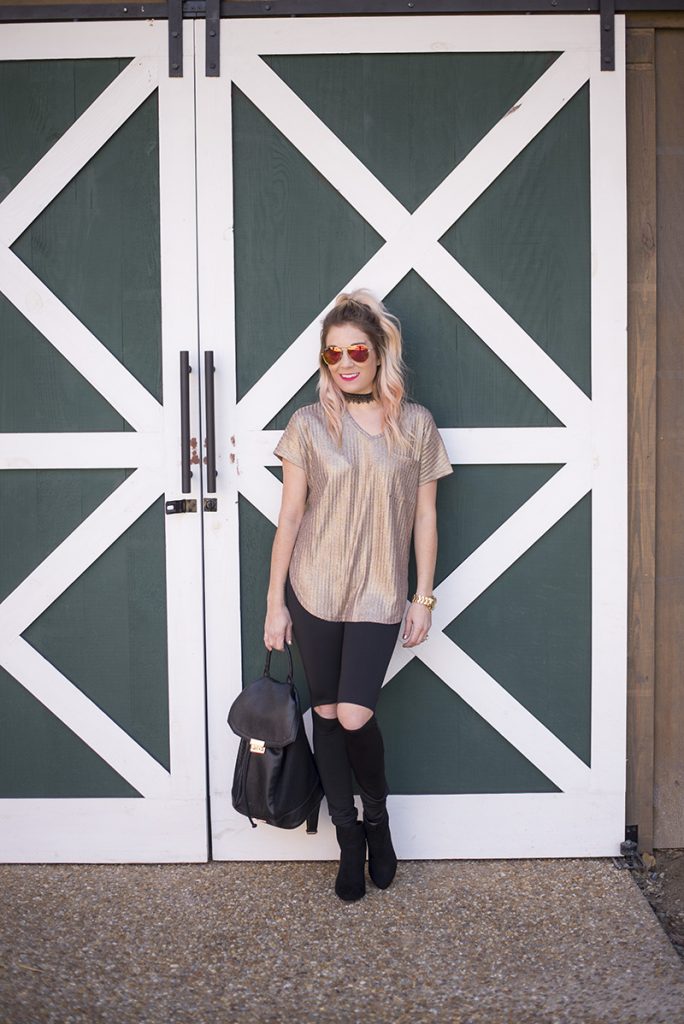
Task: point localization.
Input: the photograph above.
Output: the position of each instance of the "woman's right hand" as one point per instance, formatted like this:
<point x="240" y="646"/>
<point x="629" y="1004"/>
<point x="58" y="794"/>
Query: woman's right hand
<point x="277" y="628"/>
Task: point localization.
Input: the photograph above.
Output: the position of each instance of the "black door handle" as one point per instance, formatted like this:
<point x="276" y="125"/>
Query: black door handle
<point x="185" y="371"/>
<point x="209" y="371"/>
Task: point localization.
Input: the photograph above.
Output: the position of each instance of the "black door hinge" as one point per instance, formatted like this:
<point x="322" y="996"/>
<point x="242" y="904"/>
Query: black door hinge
<point x="175" y="16"/>
<point x="607" y="23"/>
<point x="210" y="10"/>
<point x="213" y="47"/>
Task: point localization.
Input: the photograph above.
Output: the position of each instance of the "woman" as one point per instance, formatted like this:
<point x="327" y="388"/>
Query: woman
<point x="360" y="470"/>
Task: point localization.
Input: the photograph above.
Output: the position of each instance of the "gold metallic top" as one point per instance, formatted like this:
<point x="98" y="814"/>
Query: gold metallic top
<point x="350" y="559"/>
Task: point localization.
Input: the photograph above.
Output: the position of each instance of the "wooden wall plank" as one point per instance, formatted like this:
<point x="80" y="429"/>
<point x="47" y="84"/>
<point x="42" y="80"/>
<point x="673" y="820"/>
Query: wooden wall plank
<point x="669" y="594"/>
<point x="655" y="19"/>
<point x="642" y="265"/>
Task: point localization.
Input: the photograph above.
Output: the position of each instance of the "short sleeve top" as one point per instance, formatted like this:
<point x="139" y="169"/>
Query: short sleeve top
<point x="351" y="554"/>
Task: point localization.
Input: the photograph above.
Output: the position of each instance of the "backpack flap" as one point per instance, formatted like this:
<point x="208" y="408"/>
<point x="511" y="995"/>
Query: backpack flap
<point x="267" y="710"/>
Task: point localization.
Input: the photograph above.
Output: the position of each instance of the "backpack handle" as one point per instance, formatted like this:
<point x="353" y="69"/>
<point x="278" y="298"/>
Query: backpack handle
<point x="267" y="666"/>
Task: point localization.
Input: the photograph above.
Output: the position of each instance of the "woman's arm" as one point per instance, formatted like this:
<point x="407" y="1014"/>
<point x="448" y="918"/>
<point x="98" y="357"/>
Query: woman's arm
<point x="278" y="624"/>
<point x="418" y="617"/>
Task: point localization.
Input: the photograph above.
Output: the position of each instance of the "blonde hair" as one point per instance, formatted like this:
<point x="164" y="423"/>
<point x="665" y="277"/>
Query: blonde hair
<point x="362" y="309"/>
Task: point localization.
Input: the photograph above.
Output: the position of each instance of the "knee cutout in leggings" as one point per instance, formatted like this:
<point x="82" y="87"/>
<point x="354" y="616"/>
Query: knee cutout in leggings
<point x="317" y="708"/>
<point x="354" y="716"/>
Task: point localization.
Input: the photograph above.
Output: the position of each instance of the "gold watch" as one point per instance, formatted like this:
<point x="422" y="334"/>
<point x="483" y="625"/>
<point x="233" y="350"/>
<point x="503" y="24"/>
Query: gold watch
<point x="428" y="601"/>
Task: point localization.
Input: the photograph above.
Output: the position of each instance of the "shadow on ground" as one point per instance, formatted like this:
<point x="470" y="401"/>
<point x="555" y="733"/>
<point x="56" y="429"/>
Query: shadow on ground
<point x="662" y="882"/>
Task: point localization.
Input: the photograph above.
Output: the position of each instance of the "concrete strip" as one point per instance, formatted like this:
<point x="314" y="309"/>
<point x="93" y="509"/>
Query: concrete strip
<point x="463" y="942"/>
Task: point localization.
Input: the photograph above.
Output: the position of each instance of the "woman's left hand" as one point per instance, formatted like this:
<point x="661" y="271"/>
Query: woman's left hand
<point x="416" y="625"/>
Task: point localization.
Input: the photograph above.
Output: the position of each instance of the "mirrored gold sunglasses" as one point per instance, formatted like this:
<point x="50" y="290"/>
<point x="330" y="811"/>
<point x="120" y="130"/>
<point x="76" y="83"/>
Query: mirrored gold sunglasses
<point x="333" y="353"/>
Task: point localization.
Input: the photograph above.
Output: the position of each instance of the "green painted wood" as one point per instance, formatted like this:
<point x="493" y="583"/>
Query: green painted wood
<point x="474" y="502"/>
<point x="531" y="629"/>
<point x="39" y="509"/>
<point x="471" y="505"/>
<point x="39" y="101"/>
<point x="451" y="371"/>
<point x="296" y="242"/>
<point x="40" y="391"/>
<point x="436" y="743"/>
<point x="42" y="757"/>
<point x="527" y="240"/>
<point x="411" y="118"/>
<point x="97" y="247"/>
<point x="107" y="631"/>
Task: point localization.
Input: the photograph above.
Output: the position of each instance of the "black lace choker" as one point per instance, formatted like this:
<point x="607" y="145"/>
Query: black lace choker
<point x="362" y="399"/>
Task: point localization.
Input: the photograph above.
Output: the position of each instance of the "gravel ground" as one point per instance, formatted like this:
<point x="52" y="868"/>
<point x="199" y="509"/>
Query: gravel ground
<point x="661" y="879"/>
<point x="464" y="942"/>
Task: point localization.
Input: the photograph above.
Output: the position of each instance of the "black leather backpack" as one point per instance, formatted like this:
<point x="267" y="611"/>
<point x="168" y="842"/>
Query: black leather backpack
<point x="276" y="779"/>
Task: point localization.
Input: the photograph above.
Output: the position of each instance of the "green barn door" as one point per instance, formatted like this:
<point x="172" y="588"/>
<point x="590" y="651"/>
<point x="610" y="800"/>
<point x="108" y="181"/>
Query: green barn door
<point x="102" y="737"/>
<point x="471" y="171"/>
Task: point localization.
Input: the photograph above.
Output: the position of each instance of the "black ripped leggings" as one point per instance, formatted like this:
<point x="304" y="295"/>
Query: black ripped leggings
<point x="345" y="662"/>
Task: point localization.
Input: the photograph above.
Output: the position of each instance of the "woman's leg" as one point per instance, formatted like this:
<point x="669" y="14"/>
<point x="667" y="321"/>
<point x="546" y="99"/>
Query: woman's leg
<point x="332" y="760"/>
<point x="367" y="649"/>
<point x="320" y="647"/>
<point x="366" y="653"/>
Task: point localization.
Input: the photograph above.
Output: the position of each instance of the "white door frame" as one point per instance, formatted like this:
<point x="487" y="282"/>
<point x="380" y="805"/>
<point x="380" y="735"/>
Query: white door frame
<point x="169" y="822"/>
<point x="587" y="817"/>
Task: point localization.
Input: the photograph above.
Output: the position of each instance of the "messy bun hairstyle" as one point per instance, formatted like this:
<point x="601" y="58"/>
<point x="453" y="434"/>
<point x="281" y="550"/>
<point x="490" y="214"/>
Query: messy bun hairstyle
<point x="383" y="330"/>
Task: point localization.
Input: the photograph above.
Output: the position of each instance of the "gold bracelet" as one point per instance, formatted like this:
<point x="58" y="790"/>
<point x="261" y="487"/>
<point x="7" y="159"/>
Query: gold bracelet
<point x="429" y="602"/>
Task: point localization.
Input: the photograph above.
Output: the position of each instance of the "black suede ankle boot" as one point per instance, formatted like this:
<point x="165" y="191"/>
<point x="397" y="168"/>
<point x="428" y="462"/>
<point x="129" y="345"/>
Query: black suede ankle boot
<point x="382" y="860"/>
<point x="350" y="883"/>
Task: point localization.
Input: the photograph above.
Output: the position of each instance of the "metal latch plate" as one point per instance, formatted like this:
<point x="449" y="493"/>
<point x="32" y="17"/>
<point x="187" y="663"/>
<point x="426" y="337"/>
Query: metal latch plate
<point x="181" y="505"/>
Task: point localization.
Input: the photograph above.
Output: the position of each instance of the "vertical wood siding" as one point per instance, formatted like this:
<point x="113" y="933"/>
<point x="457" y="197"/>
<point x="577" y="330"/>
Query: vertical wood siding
<point x="641" y="184"/>
<point x="669" y="593"/>
<point x="655" y="754"/>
